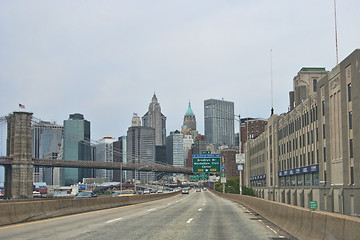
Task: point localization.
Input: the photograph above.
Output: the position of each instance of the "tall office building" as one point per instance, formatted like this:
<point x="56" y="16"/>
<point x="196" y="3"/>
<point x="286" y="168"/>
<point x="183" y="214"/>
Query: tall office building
<point x="189" y="119"/>
<point x="46" y="141"/>
<point x="120" y="156"/>
<point x="76" y="147"/>
<point x="155" y="119"/>
<point x="104" y="152"/>
<point x="140" y="148"/>
<point x="174" y="149"/>
<point x="219" y="122"/>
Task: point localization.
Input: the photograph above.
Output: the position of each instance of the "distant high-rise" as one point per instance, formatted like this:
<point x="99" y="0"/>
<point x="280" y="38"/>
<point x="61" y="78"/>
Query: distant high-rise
<point x="219" y="122"/>
<point x="76" y="147"/>
<point x="140" y="148"/>
<point x="104" y="152"/>
<point x="155" y="119"/>
<point x="135" y="121"/>
<point x="46" y="141"/>
<point x="120" y="156"/>
<point x="174" y="149"/>
<point x="189" y="119"/>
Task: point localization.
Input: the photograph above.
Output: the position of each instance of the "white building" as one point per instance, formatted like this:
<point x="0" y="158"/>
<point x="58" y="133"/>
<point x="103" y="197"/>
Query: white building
<point x="104" y="152"/>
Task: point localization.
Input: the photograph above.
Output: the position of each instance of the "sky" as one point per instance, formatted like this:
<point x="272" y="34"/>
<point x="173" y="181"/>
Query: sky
<point x="106" y="59"/>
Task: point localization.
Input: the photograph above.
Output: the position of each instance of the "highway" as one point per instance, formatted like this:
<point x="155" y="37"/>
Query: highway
<point x="198" y="215"/>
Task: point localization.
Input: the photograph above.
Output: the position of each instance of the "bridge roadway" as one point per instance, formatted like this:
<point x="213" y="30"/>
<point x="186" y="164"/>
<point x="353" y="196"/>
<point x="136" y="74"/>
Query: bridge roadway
<point x="199" y="215"/>
<point x="101" y="165"/>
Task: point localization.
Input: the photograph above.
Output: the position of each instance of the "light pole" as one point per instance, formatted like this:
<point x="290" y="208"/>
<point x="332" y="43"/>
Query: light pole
<point x="240" y="168"/>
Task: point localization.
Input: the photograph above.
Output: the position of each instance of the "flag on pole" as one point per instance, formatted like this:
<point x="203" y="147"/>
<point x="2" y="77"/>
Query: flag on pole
<point x="21" y="106"/>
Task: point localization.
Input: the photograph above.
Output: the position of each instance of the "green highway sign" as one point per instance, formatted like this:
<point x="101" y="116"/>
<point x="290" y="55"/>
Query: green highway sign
<point x="206" y="163"/>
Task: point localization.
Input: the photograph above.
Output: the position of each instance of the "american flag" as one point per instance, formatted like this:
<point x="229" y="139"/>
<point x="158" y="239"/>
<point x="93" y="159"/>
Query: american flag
<point x="21" y="106"/>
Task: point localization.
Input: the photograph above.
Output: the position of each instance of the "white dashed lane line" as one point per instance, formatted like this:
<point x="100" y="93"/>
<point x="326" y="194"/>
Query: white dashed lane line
<point x="199" y="209"/>
<point x="153" y="209"/>
<point x="114" y="220"/>
<point x="189" y="221"/>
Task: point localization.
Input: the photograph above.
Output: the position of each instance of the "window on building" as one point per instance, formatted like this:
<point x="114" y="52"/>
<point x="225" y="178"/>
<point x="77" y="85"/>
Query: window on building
<point x="315" y="178"/>
<point x="312" y="136"/>
<point x="351" y="148"/>
<point x="323" y="131"/>
<point x="323" y="107"/>
<point x="312" y="157"/>
<point x="317" y="155"/>
<point x="314" y="85"/>
<point x="350" y="120"/>
<point x="308" y="138"/>
<point x="324" y="154"/>
<point x="317" y="134"/>
<point x="309" y="159"/>
<point x="299" y="179"/>
<point x="307" y="179"/>
<point x="349" y="92"/>
<point x="352" y="176"/>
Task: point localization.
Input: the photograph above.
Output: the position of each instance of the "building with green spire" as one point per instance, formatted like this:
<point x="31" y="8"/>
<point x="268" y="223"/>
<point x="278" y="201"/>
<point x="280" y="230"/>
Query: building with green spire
<point x="189" y="119"/>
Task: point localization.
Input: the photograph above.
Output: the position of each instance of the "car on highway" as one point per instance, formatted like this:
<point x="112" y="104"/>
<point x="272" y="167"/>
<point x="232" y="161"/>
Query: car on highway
<point x="123" y="193"/>
<point x="160" y="191"/>
<point x="139" y="192"/>
<point x="185" y="191"/>
<point x="85" y="194"/>
<point x="147" y="191"/>
<point x="153" y="190"/>
<point x="198" y="189"/>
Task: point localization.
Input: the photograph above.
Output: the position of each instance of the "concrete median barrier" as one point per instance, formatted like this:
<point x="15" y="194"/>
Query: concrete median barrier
<point x="300" y="222"/>
<point x="29" y="210"/>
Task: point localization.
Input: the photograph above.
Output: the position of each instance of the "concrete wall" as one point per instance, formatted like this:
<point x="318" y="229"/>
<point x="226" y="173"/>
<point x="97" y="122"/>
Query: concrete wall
<point x="302" y="223"/>
<point x="16" y="212"/>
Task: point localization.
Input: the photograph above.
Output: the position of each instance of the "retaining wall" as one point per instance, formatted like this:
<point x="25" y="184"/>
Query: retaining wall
<point x="300" y="222"/>
<point x="18" y="212"/>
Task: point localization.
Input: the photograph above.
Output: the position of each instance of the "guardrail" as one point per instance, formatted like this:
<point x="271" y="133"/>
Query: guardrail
<point x="300" y="222"/>
<point x="24" y="211"/>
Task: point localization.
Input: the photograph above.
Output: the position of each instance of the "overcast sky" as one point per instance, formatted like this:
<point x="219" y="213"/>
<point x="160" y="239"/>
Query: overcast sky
<point x="105" y="59"/>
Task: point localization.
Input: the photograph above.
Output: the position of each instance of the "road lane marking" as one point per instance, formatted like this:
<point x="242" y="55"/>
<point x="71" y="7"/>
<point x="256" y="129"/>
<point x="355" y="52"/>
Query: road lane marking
<point x="199" y="209"/>
<point x="204" y="204"/>
<point x="271" y="229"/>
<point x="189" y="221"/>
<point x="153" y="209"/>
<point x="116" y="219"/>
<point x="169" y="203"/>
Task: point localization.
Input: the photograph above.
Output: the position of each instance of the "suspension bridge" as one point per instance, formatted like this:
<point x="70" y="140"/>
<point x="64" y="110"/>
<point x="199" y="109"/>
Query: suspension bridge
<point x="19" y="163"/>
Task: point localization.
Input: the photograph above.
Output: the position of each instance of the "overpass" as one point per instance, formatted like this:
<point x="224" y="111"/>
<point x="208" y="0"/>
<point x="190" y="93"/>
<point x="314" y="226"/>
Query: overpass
<point x="19" y="163"/>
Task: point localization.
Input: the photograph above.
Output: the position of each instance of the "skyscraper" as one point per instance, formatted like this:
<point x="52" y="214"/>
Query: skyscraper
<point x="46" y="141"/>
<point x="219" y="122"/>
<point x="155" y="119"/>
<point x="76" y="147"/>
<point x="174" y="149"/>
<point x="189" y="119"/>
<point x="140" y="148"/>
<point x="104" y="152"/>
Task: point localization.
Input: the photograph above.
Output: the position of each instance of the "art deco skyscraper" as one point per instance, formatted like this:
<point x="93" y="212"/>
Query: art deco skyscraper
<point x="155" y="119"/>
<point x="189" y="119"/>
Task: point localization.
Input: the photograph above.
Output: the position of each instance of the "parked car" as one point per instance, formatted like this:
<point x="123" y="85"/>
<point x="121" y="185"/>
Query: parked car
<point x="198" y="189"/>
<point x="85" y="194"/>
<point x="147" y="191"/>
<point x="160" y="191"/>
<point x="139" y="192"/>
<point x="185" y="191"/>
<point x="153" y="191"/>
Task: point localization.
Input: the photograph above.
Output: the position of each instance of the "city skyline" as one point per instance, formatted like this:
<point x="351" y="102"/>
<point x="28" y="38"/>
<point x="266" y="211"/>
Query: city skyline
<point x="106" y="60"/>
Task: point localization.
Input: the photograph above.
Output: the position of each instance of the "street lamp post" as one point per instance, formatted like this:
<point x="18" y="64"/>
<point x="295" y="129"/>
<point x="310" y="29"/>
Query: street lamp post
<point x="240" y="171"/>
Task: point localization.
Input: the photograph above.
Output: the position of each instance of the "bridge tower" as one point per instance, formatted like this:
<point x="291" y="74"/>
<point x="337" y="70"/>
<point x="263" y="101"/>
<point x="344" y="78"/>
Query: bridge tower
<point x="19" y="175"/>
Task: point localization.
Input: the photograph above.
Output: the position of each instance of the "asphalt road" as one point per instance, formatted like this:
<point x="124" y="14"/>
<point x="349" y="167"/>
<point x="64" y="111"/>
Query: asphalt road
<point x="198" y="215"/>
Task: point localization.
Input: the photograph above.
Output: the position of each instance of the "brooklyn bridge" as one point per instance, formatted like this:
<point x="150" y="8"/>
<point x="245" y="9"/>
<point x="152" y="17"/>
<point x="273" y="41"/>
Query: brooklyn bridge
<point x="19" y="164"/>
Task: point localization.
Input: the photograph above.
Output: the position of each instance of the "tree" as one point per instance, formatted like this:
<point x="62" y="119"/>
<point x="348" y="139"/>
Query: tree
<point x="232" y="186"/>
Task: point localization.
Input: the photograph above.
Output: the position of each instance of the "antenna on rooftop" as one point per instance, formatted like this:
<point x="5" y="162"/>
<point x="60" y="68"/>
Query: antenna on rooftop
<point x="336" y="40"/>
<point x="272" y="95"/>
